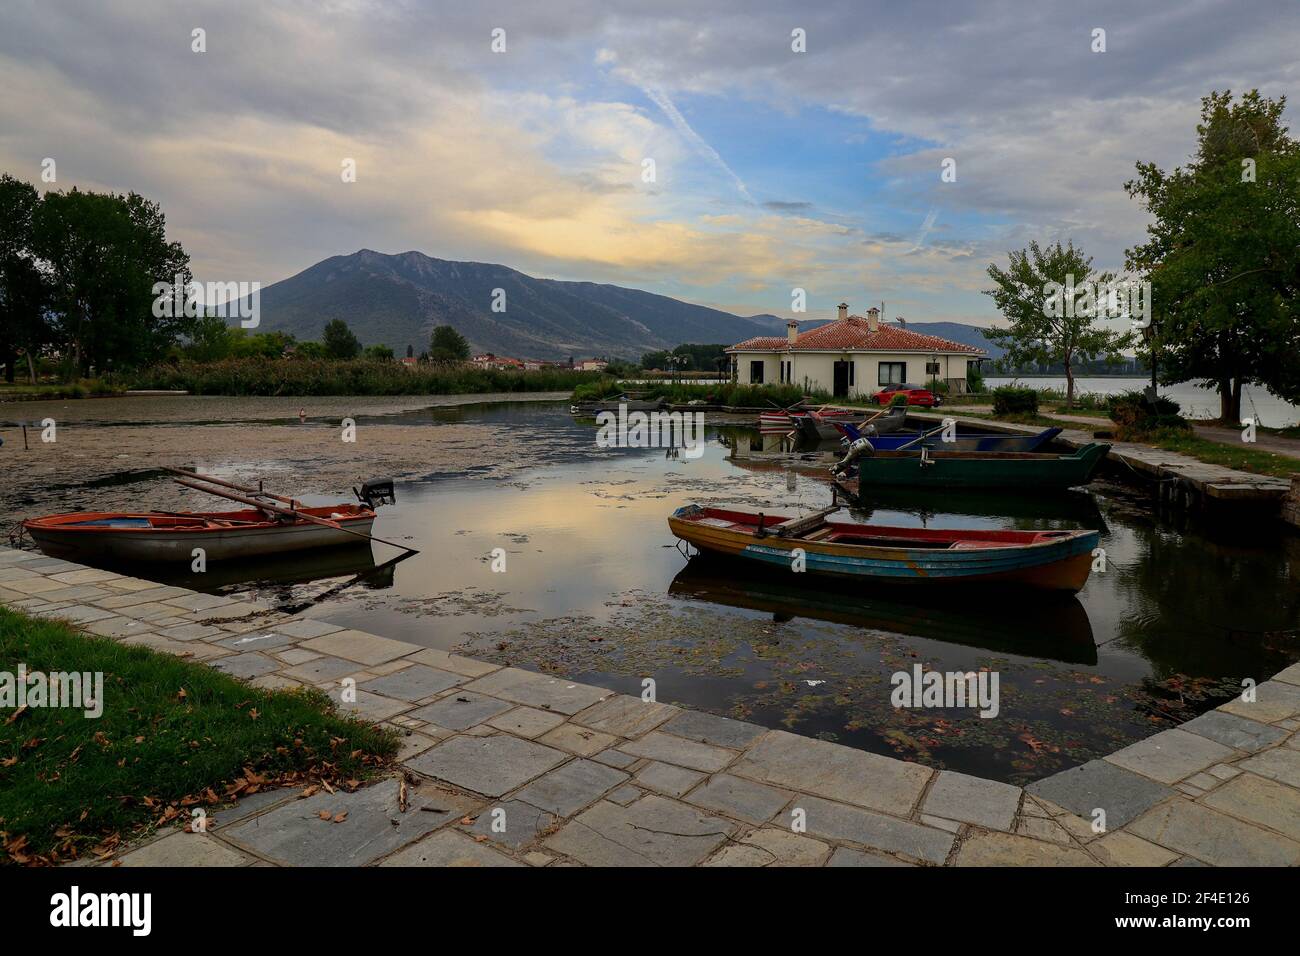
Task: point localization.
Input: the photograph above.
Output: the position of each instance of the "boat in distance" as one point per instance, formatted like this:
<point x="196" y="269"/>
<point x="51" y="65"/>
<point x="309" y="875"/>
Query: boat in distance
<point x="171" y="537"/>
<point x="963" y="441"/>
<point x="1045" y="560"/>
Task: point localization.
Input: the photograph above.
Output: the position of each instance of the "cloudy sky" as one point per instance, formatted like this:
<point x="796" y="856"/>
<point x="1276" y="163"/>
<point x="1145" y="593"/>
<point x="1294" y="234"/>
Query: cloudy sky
<point x="773" y="169"/>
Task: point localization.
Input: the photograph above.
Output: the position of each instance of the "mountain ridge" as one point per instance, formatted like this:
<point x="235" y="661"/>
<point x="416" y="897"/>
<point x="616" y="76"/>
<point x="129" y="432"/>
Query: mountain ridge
<point x="396" y="299"/>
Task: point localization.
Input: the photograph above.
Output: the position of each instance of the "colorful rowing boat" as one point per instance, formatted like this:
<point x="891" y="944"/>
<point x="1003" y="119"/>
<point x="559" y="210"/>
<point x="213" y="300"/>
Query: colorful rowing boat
<point x="963" y="440"/>
<point x="1018" y="471"/>
<point x="1047" y="560"/>
<point x="171" y="537"/>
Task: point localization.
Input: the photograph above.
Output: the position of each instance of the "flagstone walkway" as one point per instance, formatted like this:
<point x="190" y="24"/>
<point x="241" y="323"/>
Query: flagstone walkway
<point x="517" y="768"/>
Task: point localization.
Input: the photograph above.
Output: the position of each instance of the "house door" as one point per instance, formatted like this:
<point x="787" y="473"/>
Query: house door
<point x="841" y="379"/>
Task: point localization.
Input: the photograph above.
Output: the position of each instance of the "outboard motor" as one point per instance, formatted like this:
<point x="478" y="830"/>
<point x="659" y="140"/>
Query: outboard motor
<point x="858" y="449"/>
<point x="376" y="492"/>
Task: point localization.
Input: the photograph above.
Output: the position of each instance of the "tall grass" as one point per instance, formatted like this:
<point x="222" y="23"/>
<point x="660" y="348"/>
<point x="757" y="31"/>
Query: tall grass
<point x="268" y="376"/>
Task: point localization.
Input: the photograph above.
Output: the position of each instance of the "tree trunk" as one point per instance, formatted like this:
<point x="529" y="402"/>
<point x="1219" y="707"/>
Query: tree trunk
<point x="1236" y="402"/>
<point x="1228" y="412"/>
<point x="31" y="367"/>
<point x="1069" y="385"/>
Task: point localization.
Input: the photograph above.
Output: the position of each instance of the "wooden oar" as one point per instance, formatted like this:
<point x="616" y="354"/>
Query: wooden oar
<point x="258" y="492"/>
<point x="288" y="512"/>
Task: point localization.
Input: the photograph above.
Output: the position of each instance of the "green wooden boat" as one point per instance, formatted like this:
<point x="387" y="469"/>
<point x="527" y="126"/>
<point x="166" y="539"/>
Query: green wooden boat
<point x="1011" y="471"/>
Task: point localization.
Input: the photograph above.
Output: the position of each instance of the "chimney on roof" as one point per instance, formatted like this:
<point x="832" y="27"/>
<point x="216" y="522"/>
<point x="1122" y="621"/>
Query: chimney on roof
<point x="791" y="331"/>
<point x="844" y="311"/>
<point x="873" y="319"/>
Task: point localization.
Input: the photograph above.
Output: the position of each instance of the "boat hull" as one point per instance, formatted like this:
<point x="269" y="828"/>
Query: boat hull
<point x="1058" y="564"/>
<point x="176" y="545"/>
<point x="1010" y="471"/>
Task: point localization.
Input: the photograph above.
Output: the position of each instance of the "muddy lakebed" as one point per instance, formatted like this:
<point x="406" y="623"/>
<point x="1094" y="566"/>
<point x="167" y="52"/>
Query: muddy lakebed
<point x="595" y="589"/>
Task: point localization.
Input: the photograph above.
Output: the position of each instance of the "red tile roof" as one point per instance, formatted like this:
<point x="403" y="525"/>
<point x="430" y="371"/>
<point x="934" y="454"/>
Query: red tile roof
<point x="854" y="333"/>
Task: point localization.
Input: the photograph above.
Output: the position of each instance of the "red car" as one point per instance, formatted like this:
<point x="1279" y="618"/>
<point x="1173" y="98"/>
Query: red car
<point x="916" y="395"/>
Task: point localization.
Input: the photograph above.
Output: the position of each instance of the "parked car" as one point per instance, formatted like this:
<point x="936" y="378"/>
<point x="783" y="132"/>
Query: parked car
<point x="916" y="395"/>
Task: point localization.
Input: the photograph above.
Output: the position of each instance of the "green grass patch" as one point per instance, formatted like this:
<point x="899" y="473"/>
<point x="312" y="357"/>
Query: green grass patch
<point x="297" y="376"/>
<point x="1253" y="460"/>
<point x="172" y="735"/>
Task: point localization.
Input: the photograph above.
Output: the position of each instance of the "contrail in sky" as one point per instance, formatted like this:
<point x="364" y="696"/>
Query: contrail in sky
<point x="661" y="100"/>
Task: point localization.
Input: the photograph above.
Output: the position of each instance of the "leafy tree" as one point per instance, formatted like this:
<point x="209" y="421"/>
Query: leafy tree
<point x="339" y="341"/>
<point x="447" y="346"/>
<point x="1223" y="254"/>
<point x="310" y="350"/>
<point x="24" y="292"/>
<point x="211" y="339"/>
<point x="410" y="351"/>
<point x="378" y="352"/>
<point x="104" y="253"/>
<point x="258" y="344"/>
<point x="1039" y="332"/>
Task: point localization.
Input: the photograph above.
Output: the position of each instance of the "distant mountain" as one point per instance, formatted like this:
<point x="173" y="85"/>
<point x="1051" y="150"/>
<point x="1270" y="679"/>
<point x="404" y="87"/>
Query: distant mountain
<point x="396" y="300"/>
<point x="959" y="332"/>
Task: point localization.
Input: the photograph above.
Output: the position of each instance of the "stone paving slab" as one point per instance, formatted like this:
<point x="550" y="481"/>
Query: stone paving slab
<point x="1236" y="732"/>
<point x="492" y="766"/>
<point x="738" y="797"/>
<point x="1274" y="700"/>
<point x="1005" y="849"/>
<point x="958" y="796"/>
<point x="669" y="780"/>
<point x="360" y="647"/>
<point x="680" y="751"/>
<point x="538" y="690"/>
<point x="829" y="770"/>
<point x="1259" y="800"/>
<point x="185" y="849"/>
<point x="414" y="683"/>
<point x="1214" y="837"/>
<point x="449" y="848"/>
<point x="771" y="847"/>
<point x="653" y="831"/>
<point x="295" y="834"/>
<point x="837" y="821"/>
<point x="625" y="716"/>
<point x="710" y="729"/>
<point x="573" y="786"/>
<point x="1124" y="795"/>
<point x="511" y="823"/>
<point x="461" y="710"/>
<point x="1170" y="755"/>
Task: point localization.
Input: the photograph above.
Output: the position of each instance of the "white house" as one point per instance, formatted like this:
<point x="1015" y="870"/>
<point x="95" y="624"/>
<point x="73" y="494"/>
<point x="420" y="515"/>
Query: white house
<point x="852" y="357"/>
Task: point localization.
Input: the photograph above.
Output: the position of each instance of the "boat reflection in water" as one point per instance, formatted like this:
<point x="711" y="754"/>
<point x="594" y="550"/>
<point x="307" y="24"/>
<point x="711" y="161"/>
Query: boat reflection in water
<point x="270" y="572"/>
<point x="1049" y="627"/>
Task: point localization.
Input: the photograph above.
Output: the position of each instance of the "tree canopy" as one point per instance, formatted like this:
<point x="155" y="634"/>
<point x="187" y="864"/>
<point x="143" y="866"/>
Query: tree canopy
<point x="339" y="340"/>
<point x="1040" y="331"/>
<point x="446" y="345"/>
<point x="1223" y="253"/>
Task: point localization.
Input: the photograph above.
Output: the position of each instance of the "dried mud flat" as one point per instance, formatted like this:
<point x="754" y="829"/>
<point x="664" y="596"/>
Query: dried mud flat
<point x="108" y="452"/>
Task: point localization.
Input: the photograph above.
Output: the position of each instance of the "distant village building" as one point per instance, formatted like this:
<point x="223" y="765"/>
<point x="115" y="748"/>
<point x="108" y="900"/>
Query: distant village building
<point x="592" y="365"/>
<point x="488" y="360"/>
<point x="410" y="362"/>
<point x="852" y="357"/>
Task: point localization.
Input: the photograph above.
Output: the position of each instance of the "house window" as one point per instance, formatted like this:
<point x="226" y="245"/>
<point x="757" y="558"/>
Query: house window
<point x="931" y="368"/>
<point x="893" y="373"/>
<point x="756" y="373"/>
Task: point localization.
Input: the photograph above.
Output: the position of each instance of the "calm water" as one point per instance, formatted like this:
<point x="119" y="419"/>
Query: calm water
<point x="1195" y="402"/>
<point x="595" y="590"/>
